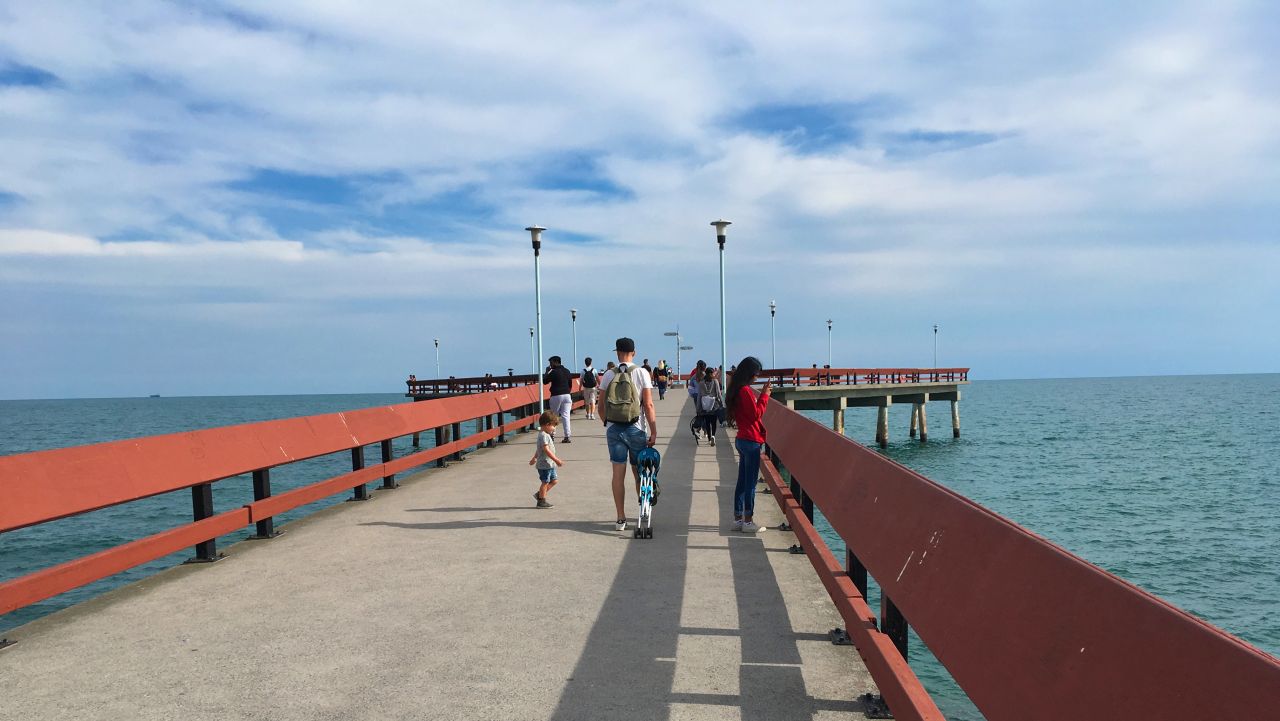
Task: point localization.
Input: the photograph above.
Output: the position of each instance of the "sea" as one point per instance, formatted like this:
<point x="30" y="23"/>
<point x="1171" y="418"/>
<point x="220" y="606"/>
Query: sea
<point x="1170" y="482"/>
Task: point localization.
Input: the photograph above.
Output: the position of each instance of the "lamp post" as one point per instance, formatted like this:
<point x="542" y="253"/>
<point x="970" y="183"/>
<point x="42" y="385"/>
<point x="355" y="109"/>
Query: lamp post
<point x="535" y="232"/>
<point x="828" y="342"/>
<point x="437" y="357"/>
<point x="533" y="351"/>
<point x="573" y="317"/>
<point x="676" y="333"/>
<point x="721" y="225"/>
<point x="678" y="349"/>
<point x="773" y="334"/>
<point x="935" y="345"/>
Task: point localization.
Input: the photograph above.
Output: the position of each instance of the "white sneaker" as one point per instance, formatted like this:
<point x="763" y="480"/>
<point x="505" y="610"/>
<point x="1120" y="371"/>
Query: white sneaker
<point x="737" y="524"/>
<point x="620" y="525"/>
<point x="751" y="527"/>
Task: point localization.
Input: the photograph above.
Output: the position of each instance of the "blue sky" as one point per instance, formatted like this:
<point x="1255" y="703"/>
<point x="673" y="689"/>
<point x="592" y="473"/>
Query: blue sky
<point x="226" y="197"/>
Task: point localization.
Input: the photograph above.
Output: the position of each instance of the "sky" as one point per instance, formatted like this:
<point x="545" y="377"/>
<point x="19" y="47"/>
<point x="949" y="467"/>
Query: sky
<point x="207" y="198"/>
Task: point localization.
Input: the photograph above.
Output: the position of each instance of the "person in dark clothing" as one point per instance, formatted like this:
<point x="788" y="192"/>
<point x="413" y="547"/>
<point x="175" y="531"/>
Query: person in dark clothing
<point x="561" y="381"/>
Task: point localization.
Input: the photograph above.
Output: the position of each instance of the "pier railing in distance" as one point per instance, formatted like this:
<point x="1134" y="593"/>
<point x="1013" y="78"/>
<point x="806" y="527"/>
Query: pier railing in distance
<point x="474" y="384"/>
<point x="860" y="376"/>
<point x="1027" y="629"/>
<point x="48" y="485"/>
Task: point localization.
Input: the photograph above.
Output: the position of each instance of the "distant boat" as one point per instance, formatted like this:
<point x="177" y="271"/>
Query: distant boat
<point x="154" y="395"/>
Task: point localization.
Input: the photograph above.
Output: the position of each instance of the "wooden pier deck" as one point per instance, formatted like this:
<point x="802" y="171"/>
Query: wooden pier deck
<point x="451" y="597"/>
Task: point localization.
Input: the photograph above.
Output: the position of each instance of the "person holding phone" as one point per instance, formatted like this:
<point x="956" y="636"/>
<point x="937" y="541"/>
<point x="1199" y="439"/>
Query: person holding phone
<point x="747" y="408"/>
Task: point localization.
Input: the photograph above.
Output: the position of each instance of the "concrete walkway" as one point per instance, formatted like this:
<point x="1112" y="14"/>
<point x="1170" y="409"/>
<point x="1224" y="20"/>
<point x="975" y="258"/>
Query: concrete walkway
<point x="453" y="598"/>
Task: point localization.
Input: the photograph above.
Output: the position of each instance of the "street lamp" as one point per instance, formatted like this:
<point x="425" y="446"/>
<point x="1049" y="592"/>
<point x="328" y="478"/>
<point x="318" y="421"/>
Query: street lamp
<point x="773" y="333"/>
<point x="724" y="346"/>
<point x="535" y="233"/>
<point x="676" y="333"/>
<point x="533" y="351"/>
<point x="573" y="317"/>
<point x="935" y="346"/>
<point x="437" y="358"/>
<point x="828" y="342"/>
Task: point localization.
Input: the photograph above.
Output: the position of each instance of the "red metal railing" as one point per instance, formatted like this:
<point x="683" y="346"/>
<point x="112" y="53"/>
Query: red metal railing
<point x="861" y="376"/>
<point x="474" y="384"/>
<point x="48" y="485"/>
<point x="1027" y="629"/>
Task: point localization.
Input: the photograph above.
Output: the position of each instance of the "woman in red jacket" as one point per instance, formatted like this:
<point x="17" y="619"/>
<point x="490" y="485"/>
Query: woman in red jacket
<point x="747" y="408"/>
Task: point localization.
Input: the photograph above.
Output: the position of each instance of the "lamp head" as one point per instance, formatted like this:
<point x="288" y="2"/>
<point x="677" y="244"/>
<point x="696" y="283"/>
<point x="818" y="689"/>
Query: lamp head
<point x="573" y="313"/>
<point x="720" y="226"/>
<point x="535" y="231"/>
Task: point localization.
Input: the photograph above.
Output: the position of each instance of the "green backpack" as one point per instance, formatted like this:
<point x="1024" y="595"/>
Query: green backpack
<point x="622" y="398"/>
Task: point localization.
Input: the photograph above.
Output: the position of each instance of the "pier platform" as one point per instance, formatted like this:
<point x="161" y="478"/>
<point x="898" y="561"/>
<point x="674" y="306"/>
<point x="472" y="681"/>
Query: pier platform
<point x="452" y="597"/>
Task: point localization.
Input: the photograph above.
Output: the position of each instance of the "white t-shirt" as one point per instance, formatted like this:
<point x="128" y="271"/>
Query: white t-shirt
<point x="641" y="378"/>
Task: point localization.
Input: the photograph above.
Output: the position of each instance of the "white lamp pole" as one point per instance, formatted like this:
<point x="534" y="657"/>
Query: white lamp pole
<point x="437" y="358"/>
<point x="828" y="342"/>
<point x="935" y="345"/>
<point x="724" y="345"/>
<point x="676" y="333"/>
<point x="533" y="351"/>
<point x="773" y="333"/>
<point x="536" y="233"/>
<point x="573" y="316"/>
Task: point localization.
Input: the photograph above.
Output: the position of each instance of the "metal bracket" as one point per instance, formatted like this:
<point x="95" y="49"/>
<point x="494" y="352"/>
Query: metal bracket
<point x="839" y="637"/>
<point x="766" y="491"/>
<point x="784" y="526"/>
<point x="797" y="550"/>
<point x="256" y="537"/>
<point x="219" y="557"/>
<point x="873" y="706"/>
<point x="6" y="643"/>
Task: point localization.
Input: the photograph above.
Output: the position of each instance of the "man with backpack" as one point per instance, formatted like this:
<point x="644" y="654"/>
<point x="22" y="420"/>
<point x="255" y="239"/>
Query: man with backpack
<point x="626" y="407"/>
<point x="590" y="390"/>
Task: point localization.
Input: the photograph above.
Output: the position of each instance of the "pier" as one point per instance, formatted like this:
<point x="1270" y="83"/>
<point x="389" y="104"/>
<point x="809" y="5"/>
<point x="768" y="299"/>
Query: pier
<point x="442" y="593"/>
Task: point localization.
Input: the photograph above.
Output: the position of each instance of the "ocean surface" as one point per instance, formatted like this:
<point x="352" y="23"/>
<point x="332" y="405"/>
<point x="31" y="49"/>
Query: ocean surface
<point x="1172" y="483"/>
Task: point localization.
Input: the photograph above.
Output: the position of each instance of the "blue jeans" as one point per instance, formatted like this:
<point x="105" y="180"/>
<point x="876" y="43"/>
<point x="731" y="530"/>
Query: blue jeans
<point x="744" y="494"/>
<point x="625" y="441"/>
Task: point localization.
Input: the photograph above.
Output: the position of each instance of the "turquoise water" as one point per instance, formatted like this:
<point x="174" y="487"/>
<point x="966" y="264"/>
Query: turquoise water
<point x="1172" y="483"/>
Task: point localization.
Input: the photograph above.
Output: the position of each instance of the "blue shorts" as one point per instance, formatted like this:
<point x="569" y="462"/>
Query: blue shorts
<point x="546" y="475"/>
<point x="626" y="441"/>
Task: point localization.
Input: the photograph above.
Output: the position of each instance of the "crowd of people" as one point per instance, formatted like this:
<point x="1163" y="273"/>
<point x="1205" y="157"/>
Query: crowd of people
<point x="621" y="397"/>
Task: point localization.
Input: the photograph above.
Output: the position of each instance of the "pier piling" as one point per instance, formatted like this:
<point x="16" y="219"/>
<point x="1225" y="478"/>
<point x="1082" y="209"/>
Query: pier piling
<point x="882" y="425"/>
<point x="955" y="419"/>
<point x="924" y="421"/>
<point x="915" y="417"/>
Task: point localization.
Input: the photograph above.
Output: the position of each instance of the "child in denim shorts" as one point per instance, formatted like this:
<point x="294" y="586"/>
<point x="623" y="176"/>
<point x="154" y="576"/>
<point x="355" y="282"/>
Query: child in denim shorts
<point x="544" y="455"/>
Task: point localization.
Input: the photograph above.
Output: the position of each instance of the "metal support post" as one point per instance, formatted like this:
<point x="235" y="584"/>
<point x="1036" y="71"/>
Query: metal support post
<point x="360" y="492"/>
<point x="457" y="434"/>
<point x="264" y="528"/>
<point x="502" y="421"/>
<point x="441" y="462"/>
<point x="388" y="481"/>
<point x="857" y="572"/>
<point x="893" y="624"/>
<point x="202" y="508"/>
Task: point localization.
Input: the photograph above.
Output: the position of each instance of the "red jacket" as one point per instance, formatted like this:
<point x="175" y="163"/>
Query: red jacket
<point x="748" y="413"/>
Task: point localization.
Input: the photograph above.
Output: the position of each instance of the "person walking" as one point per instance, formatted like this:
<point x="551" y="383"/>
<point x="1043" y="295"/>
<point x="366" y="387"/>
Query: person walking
<point x="661" y="377"/>
<point x="747" y="408"/>
<point x="590" y="389"/>
<point x="626" y="407"/>
<point x="710" y="403"/>
<point x="561" y="393"/>
<point x="544" y="455"/>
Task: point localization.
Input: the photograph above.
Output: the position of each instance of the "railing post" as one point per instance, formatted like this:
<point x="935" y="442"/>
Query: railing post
<point x="457" y="434"/>
<point x="893" y="624"/>
<point x="361" y="492"/>
<point x="388" y="481"/>
<point x="202" y="508"/>
<point x="856" y="571"/>
<point x="442" y="461"/>
<point x="488" y="426"/>
<point x="417" y="441"/>
<point x="264" y="528"/>
<point x="502" y="421"/>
